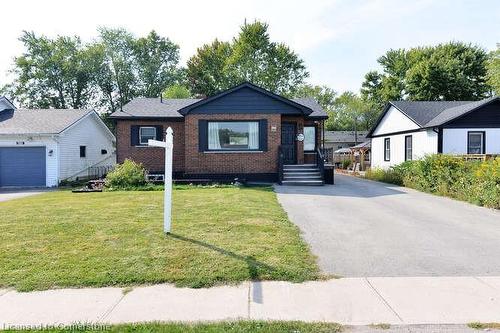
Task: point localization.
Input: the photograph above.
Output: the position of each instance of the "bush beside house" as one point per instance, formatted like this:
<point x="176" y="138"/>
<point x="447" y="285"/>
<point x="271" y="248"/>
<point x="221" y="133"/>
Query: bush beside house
<point x="477" y="182"/>
<point x="126" y="175"/>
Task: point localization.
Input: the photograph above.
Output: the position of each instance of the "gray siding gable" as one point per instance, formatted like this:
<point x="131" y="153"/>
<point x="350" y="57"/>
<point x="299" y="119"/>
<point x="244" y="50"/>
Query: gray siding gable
<point x="247" y="98"/>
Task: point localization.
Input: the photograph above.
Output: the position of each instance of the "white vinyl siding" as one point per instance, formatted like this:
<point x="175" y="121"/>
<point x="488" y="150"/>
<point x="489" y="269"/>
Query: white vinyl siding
<point x="455" y="140"/>
<point x="394" y="121"/>
<point x="423" y="143"/>
<point x="90" y="133"/>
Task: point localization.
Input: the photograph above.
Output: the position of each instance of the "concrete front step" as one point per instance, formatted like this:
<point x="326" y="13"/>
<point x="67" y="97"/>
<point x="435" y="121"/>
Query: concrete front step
<point x="285" y="177"/>
<point x="304" y="174"/>
<point x="300" y="170"/>
<point x="303" y="182"/>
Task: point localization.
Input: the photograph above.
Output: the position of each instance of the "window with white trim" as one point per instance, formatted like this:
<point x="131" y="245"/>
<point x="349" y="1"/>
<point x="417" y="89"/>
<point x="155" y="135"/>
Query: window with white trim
<point x="408" y="148"/>
<point x="233" y="135"/>
<point x="387" y="149"/>
<point x="145" y="134"/>
<point x="309" y="138"/>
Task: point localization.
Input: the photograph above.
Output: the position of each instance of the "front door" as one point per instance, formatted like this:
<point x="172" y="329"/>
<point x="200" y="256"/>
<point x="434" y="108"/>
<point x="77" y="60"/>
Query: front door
<point x="288" y="134"/>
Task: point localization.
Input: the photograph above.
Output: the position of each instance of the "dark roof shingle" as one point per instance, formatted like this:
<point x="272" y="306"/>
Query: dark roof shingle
<point x="169" y="108"/>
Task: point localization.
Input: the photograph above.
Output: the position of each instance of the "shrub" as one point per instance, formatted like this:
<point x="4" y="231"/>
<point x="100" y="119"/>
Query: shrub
<point x="346" y="164"/>
<point x="127" y="175"/>
<point x="474" y="181"/>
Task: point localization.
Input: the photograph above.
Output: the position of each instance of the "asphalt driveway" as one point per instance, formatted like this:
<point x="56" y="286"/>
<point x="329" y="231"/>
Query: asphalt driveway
<point x="364" y="228"/>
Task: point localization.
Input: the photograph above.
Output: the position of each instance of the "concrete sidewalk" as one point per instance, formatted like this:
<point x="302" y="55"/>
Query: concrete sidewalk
<point x="349" y="301"/>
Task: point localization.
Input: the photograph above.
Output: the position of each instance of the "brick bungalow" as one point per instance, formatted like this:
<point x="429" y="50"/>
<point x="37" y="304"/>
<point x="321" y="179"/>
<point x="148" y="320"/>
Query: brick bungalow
<point x="244" y="132"/>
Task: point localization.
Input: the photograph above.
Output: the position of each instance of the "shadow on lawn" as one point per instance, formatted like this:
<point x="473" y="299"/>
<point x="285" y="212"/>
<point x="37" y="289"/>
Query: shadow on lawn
<point x="254" y="266"/>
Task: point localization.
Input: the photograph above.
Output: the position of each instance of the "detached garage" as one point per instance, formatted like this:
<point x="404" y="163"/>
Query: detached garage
<point x="41" y="147"/>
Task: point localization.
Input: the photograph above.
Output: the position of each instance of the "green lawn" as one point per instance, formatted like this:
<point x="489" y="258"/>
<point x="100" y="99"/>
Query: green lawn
<point x="219" y="236"/>
<point x="233" y="327"/>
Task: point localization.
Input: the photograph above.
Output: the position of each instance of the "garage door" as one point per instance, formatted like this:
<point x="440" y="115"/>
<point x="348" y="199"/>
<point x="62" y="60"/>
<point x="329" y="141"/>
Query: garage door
<point x="22" y="166"/>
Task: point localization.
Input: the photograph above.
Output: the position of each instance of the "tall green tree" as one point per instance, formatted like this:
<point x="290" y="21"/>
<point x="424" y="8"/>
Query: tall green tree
<point x="53" y="73"/>
<point x="205" y="70"/>
<point x="118" y="46"/>
<point x="251" y="56"/>
<point x="351" y="112"/>
<point x="157" y="60"/>
<point x="494" y="70"/>
<point x="451" y="71"/>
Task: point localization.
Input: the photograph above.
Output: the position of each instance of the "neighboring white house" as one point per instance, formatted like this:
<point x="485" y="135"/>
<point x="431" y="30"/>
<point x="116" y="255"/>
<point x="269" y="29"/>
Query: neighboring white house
<point x="41" y="147"/>
<point x="409" y="130"/>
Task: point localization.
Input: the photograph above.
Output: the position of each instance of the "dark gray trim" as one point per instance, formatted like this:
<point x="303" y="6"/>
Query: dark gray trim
<point x="202" y="135"/>
<point x="400" y="132"/>
<point x="493" y="100"/>
<point x="305" y="110"/>
<point x="263" y="134"/>
<point x="440" y="140"/>
<point x="134" y="118"/>
<point x="134" y="135"/>
<point x="483" y="148"/>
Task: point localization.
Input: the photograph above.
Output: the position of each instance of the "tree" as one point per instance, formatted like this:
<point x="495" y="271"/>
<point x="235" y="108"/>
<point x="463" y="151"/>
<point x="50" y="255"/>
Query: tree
<point x="53" y="73"/>
<point x="118" y="50"/>
<point x="157" y="59"/>
<point x="176" y="91"/>
<point x="452" y="71"/>
<point x="251" y="56"/>
<point x="493" y="67"/>
<point x="325" y="97"/>
<point x="351" y="112"/>
<point x="205" y="70"/>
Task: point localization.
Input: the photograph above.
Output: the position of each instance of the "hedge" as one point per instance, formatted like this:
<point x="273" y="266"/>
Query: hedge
<point x="477" y="182"/>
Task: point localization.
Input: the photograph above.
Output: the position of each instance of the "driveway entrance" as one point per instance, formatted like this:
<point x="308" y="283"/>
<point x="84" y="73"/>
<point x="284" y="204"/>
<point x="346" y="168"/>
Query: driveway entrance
<point x="364" y="228"/>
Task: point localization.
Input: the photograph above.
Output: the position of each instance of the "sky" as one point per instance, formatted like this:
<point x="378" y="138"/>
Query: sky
<point x="339" y="40"/>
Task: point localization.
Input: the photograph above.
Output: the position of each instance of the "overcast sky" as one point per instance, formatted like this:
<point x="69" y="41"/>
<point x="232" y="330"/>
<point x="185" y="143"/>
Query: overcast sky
<point x="339" y="40"/>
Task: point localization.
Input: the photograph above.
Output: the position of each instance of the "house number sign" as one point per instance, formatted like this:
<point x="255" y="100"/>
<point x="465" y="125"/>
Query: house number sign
<point x="300" y="137"/>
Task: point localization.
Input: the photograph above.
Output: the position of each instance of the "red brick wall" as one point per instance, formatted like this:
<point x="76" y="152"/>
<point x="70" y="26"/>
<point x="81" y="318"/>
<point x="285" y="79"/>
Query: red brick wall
<point x="152" y="158"/>
<point x="220" y="163"/>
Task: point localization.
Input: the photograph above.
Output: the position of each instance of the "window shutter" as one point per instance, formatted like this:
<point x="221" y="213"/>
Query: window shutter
<point x="159" y="133"/>
<point x="202" y="135"/>
<point x="134" y="135"/>
<point x="263" y="134"/>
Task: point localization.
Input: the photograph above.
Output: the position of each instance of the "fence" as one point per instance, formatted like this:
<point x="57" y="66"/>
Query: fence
<point x="97" y="172"/>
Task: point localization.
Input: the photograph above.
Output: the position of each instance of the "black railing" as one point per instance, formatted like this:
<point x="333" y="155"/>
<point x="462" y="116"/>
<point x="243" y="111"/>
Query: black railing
<point x="281" y="159"/>
<point x="320" y="162"/>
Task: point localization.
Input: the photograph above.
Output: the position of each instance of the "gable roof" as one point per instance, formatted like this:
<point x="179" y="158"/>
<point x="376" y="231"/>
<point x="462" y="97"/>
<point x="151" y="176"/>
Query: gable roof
<point x="39" y="121"/>
<point x="143" y="107"/>
<point x="428" y="114"/>
<point x="306" y="110"/>
<point x="5" y="101"/>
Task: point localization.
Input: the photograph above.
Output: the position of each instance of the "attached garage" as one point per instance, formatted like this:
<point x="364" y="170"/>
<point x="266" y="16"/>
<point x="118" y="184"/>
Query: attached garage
<point x="22" y="166"/>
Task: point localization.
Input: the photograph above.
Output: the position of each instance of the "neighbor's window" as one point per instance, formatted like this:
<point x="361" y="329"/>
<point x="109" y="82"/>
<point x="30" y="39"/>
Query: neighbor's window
<point x="408" y="148"/>
<point x="233" y="135"/>
<point x="387" y="149"/>
<point x="83" y="151"/>
<point x="475" y="143"/>
<point x="309" y="138"/>
<point x="146" y="133"/>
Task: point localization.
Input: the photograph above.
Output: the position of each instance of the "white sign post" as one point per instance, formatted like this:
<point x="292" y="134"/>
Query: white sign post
<point x="167" y="206"/>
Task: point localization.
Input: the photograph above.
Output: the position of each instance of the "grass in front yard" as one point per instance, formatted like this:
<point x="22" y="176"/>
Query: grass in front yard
<point x="220" y="236"/>
<point x="233" y="327"/>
